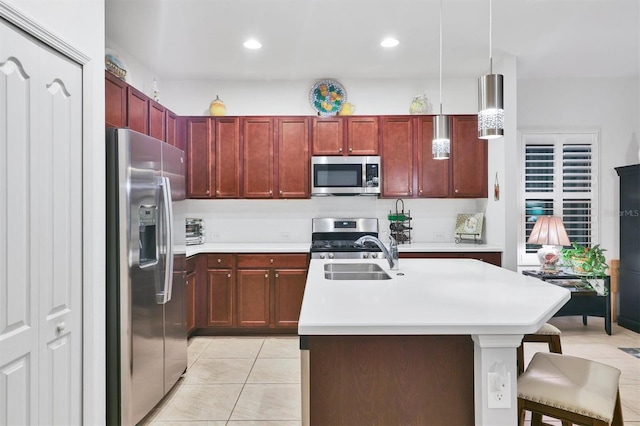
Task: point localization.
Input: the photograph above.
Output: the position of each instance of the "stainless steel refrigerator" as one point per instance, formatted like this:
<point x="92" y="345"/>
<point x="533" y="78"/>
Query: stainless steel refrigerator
<point x="146" y="312"/>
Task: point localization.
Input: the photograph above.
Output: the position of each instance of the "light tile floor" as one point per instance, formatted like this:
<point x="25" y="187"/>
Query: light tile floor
<point x="255" y="381"/>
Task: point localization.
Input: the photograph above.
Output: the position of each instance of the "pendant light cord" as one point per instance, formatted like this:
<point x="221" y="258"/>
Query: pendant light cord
<point x="490" y="32"/>
<point x="440" y="57"/>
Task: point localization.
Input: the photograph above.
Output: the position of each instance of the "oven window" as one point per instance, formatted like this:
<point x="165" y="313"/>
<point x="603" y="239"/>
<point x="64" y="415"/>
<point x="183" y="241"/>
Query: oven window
<point x="338" y="175"/>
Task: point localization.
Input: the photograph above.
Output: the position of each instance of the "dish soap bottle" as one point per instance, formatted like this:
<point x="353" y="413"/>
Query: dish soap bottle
<point x="217" y="107"/>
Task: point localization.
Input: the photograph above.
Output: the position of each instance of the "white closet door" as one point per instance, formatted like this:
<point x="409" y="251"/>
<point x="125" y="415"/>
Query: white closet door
<point x="40" y="233"/>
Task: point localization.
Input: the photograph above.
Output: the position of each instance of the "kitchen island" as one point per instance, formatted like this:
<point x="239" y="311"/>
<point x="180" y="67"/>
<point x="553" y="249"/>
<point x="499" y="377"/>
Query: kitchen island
<point x="418" y="348"/>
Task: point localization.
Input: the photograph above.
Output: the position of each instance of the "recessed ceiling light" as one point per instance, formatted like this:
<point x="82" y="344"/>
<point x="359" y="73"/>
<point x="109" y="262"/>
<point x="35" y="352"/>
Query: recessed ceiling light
<point x="252" y="44"/>
<point x="389" y="42"/>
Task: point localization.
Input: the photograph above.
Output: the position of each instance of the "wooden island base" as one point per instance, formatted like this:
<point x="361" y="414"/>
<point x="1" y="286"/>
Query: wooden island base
<point x="391" y="380"/>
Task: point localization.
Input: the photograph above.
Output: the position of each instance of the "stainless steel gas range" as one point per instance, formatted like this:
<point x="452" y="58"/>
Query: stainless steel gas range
<point x="334" y="238"/>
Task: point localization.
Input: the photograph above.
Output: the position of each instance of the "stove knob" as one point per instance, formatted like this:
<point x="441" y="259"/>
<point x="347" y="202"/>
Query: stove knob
<point x="374" y="255"/>
<point x="322" y="256"/>
<point x="330" y="255"/>
<point x="365" y="255"/>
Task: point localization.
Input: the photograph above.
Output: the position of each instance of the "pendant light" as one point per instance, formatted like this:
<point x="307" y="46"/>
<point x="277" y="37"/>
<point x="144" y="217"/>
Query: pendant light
<point x="490" y="99"/>
<point x="440" y="144"/>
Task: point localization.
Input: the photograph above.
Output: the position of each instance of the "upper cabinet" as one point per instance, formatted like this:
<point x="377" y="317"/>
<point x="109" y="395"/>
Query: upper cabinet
<point x="275" y="157"/>
<point x="408" y="167"/>
<point x="213" y="157"/>
<point x="126" y="106"/>
<point x="353" y="135"/>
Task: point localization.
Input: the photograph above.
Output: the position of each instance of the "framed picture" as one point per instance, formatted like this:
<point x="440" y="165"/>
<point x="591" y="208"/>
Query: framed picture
<point x="469" y="227"/>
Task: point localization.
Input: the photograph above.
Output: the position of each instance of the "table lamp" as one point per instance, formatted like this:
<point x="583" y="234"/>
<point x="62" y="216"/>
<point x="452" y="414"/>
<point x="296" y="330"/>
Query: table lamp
<point x="550" y="233"/>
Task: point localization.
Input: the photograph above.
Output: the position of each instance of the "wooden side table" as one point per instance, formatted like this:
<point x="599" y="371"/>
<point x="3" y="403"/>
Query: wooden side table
<point x="584" y="300"/>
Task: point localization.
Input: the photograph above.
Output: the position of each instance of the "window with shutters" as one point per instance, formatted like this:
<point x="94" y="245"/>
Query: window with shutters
<point x="559" y="179"/>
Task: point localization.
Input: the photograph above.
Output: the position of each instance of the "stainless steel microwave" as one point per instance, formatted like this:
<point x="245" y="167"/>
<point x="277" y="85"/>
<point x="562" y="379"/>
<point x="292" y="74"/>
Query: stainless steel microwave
<point x="347" y="175"/>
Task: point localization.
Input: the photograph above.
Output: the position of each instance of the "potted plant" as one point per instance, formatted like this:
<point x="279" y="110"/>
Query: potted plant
<point x="589" y="263"/>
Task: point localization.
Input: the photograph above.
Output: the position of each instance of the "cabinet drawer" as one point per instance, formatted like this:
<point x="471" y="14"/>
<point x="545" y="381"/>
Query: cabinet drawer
<point x="272" y="261"/>
<point x="220" y="261"/>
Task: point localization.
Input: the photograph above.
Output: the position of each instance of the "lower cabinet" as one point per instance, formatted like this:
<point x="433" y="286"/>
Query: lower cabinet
<point x="252" y="293"/>
<point x="191" y="294"/>
<point x="493" y="257"/>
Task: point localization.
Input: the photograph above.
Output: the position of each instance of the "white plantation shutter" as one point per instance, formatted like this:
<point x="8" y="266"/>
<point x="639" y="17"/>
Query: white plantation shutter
<point x="559" y="179"/>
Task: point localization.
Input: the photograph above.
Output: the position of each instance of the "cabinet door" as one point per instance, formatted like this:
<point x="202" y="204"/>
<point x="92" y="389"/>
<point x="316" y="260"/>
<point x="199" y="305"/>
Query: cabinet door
<point x="220" y="298"/>
<point x="328" y="136"/>
<point x="433" y="175"/>
<point x="191" y="301"/>
<point x="362" y="136"/>
<point x="171" y="127"/>
<point x="227" y="142"/>
<point x="253" y="297"/>
<point x="258" y="157"/>
<point x="115" y="105"/>
<point x="157" y="122"/>
<point x="469" y="158"/>
<point x="199" y="157"/>
<point x="138" y="111"/>
<point x="293" y="158"/>
<point x="289" y="290"/>
<point x="397" y="157"/>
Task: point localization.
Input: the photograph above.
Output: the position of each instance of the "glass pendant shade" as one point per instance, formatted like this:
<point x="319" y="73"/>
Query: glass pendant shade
<point x="490" y="107"/>
<point x="440" y="144"/>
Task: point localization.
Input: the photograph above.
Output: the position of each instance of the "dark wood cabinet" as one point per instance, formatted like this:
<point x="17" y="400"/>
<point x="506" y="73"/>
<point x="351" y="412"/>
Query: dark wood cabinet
<point x="433" y="175"/>
<point x="493" y="257"/>
<point x="405" y="139"/>
<point x="469" y="157"/>
<point x="227" y="158"/>
<point x="199" y="157"/>
<point x="629" y="279"/>
<point x="115" y="106"/>
<point x="270" y="289"/>
<point x="190" y="294"/>
<point x="293" y="157"/>
<point x="345" y="135"/>
<point x="157" y="127"/>
<point x="397" y="156"/>
<point x="258" y="153"/>
<point x="137" y="110"/>
<point x="362" y="136"/>
<point x="172" y="128"/>
<point x="220" y="290"/>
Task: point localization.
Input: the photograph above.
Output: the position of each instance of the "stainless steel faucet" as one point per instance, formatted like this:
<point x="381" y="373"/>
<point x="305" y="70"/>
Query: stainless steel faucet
<point x="391" y="254"/>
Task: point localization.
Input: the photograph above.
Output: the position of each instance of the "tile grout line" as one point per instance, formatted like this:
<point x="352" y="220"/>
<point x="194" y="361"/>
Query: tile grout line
<point x="245" y="382"/>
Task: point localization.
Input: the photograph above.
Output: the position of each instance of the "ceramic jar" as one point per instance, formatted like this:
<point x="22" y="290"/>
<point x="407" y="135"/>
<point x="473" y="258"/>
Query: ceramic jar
<point x="217" y="107"/>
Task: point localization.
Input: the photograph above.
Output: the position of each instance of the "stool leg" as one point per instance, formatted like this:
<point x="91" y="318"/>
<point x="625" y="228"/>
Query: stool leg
<point x="520" y="359"/>
<point x="521" y="412"/>
<point x="536" y="419"/>
<point x="554" y="344"/>
<point x="617" y="412"/>
<point x="584" y="320"/>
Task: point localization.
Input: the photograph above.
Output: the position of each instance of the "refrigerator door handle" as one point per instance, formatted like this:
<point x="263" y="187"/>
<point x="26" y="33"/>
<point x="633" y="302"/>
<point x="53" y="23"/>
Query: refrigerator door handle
<point x="165" y="295"/>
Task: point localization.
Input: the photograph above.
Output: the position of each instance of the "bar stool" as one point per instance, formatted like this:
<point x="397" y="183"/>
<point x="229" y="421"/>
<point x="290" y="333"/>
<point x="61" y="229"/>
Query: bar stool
<point x="570" y="389"/>
<point x="546" y="334"/>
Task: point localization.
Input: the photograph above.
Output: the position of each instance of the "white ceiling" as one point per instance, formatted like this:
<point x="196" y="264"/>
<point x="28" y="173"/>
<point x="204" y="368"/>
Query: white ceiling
<point x="310" y="39"/>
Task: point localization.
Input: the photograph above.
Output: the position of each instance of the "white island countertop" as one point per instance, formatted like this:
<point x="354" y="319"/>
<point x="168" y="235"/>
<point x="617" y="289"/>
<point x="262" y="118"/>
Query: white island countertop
<point x="433" y="296"/>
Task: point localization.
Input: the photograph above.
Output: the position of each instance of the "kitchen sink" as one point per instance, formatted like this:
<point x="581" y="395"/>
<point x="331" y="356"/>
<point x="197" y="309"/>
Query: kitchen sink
<point x="354" y="271"/>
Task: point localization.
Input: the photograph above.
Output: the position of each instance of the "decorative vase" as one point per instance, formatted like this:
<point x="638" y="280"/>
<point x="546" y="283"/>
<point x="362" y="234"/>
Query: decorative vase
<point x="217" y="107"/>
<point x="347" y="109"/>
<point x="420" y="105"/>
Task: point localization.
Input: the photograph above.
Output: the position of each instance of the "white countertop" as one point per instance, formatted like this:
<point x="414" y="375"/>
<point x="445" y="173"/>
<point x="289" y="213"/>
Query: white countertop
<point x="305" y="246"/>
<point x="434" y="296"/>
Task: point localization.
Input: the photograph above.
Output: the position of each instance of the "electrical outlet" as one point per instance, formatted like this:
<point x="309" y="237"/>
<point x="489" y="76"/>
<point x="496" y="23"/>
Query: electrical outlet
<point x="214" y="236"/>
<point x="499" y="387"/>
<point x="438" y="236"/>
<point x="285" y="236"/>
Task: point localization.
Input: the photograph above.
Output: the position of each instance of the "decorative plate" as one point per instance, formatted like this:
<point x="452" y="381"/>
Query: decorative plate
<point x="115" y="65"/>
<point x="327" y="97"/>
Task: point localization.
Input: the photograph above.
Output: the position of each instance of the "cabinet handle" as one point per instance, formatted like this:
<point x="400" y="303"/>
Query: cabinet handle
<point x="340" y="150"/>
<point x="410" y="191"/>
<point x="60" y="327"/>
<point x="228" y="275"/>
<point x="207" y="192"/>
<point x="271" y="260"/>
<point x="219" y="260"/>
<point x="270" y="192"/>
<point x="420" y="191"/>
<point x="277" y="275"/>
<point x="266" y="275"/>
<point x="280" y="192"/>
<point x="455" y="190"/>
<point x="217" y="192"/>
<point x="350" y="149"/>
